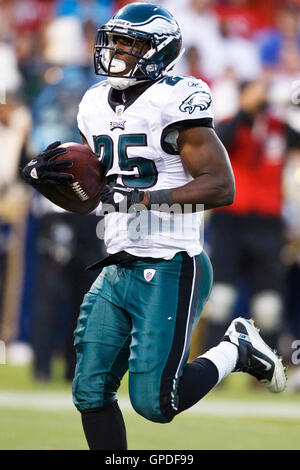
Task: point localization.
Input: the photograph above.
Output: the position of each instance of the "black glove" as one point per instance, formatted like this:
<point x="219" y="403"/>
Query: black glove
<point x="121" y="198"/>
<point x="41" y="170"/>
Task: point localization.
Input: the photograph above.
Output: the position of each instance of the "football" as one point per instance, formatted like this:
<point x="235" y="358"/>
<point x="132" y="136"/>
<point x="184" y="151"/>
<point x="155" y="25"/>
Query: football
<point x="82" y="195"/>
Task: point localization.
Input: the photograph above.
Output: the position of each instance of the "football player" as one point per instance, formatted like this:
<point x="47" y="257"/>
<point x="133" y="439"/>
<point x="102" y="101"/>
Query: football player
<point x="154" y="136"/>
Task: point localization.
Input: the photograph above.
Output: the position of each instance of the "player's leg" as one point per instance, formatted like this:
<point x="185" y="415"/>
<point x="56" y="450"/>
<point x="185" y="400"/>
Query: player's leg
<point x="164" y="312"/>
<point x="102" y="347"/>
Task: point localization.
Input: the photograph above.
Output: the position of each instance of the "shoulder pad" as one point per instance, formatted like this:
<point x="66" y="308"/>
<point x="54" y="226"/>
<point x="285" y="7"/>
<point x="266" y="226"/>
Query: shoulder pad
<point x="171" y="80"/>
<point x="103" y="83"/>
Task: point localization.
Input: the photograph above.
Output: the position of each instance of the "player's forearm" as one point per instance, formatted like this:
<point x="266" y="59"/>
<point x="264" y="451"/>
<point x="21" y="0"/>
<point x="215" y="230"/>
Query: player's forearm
<point x="207" y="190"/>
<point x="211" y="192"/>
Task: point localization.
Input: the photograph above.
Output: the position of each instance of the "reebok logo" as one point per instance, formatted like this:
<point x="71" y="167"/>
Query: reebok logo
<point x="243" y="336"/>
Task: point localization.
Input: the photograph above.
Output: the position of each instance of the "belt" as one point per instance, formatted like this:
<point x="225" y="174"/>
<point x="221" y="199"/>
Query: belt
<point x="117" y="258"/>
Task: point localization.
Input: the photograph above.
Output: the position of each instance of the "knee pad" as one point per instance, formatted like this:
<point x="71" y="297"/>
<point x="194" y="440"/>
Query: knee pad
<point x="221" y="303"/>
<point x="266" y="308"/>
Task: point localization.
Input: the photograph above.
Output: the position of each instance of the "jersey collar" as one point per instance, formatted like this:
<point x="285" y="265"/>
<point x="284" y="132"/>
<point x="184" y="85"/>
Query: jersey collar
<point x="115" y="97"/>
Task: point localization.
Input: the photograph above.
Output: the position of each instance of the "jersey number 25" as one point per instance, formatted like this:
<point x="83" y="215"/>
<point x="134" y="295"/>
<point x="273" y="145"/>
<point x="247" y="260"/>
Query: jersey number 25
<point x="140" y="172"/>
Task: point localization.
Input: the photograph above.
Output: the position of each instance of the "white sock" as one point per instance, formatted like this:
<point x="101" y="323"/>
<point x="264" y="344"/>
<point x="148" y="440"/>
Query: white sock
<point x="224" y="356"/>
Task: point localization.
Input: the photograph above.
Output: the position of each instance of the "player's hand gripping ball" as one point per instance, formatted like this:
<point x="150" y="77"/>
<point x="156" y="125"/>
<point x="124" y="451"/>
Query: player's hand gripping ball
<point x="44" y="169"/>
<point x="88" y="179"/>
<point x="72" y="170"/>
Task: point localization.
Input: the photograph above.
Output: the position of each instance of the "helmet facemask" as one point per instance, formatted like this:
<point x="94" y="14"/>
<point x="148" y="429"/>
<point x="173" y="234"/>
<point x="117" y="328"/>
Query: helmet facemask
<point x="107" y="64"/>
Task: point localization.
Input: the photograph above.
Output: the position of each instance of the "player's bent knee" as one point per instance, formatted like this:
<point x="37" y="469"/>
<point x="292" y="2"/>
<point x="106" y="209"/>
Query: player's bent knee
<point x="147" y="401"/>
<point x="147" y="406"/>
<point x="149" y="411"/>
<point x="84" y="398"/>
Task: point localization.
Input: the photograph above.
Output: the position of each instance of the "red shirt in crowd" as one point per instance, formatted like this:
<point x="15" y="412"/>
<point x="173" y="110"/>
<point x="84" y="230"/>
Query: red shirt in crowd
<point x="249" y="17"/>
<point x="256" y="154"/>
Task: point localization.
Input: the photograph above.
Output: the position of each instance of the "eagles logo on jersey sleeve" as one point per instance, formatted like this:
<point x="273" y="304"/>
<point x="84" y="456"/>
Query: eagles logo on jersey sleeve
<point x="199" y="99"/>
<point x="189" y="105"/>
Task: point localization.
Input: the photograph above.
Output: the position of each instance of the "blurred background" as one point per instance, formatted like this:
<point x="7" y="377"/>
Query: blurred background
<point x="248" y="51"/>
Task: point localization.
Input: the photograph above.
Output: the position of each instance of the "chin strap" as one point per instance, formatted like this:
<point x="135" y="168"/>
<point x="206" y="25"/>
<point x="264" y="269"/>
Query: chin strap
<point x="121" y="83"/>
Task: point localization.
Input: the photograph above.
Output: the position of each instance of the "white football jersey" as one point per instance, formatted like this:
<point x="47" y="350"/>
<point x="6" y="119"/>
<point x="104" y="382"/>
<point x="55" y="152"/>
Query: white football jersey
<point x="137" y="144"/>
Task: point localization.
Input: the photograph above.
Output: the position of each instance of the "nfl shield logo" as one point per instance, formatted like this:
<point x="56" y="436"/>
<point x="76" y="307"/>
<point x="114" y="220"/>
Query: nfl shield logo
<point x="149" y="274"/>
<point x="119" y="110"/>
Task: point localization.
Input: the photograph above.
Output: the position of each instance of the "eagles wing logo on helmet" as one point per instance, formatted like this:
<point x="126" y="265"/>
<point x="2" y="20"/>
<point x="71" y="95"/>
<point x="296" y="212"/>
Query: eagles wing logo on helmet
<point x="198" y="99"/>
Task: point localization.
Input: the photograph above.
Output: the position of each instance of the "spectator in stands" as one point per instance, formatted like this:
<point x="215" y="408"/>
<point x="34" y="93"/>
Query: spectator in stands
<point x="224" y="49"/>
<point x="15" y="125"/>
<point x="247" y="17"/>
<point x="98" y="11"/>
<point x="225" y="91"/>
<point x="246" y="237"/>
<point x="10" y="75"/>
<point x="31" y="65"/>
<point x="240" y="53"/>
<point x="284" y="91"/>
<point x="287" y="31"/>
<point x="193" y="64"/>
<point x="204" y="21"/>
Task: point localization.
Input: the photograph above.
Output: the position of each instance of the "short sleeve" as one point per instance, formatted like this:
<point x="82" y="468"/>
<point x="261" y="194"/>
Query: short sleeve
<point x="189" y="104"/>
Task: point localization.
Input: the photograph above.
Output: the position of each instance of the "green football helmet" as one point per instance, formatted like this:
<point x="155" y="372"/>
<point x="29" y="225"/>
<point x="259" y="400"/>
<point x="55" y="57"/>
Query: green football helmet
<point x="148" y="24"/>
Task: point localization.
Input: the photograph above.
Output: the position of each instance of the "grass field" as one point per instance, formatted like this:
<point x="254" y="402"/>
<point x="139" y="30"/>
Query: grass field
<point x="233" y="416"/>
